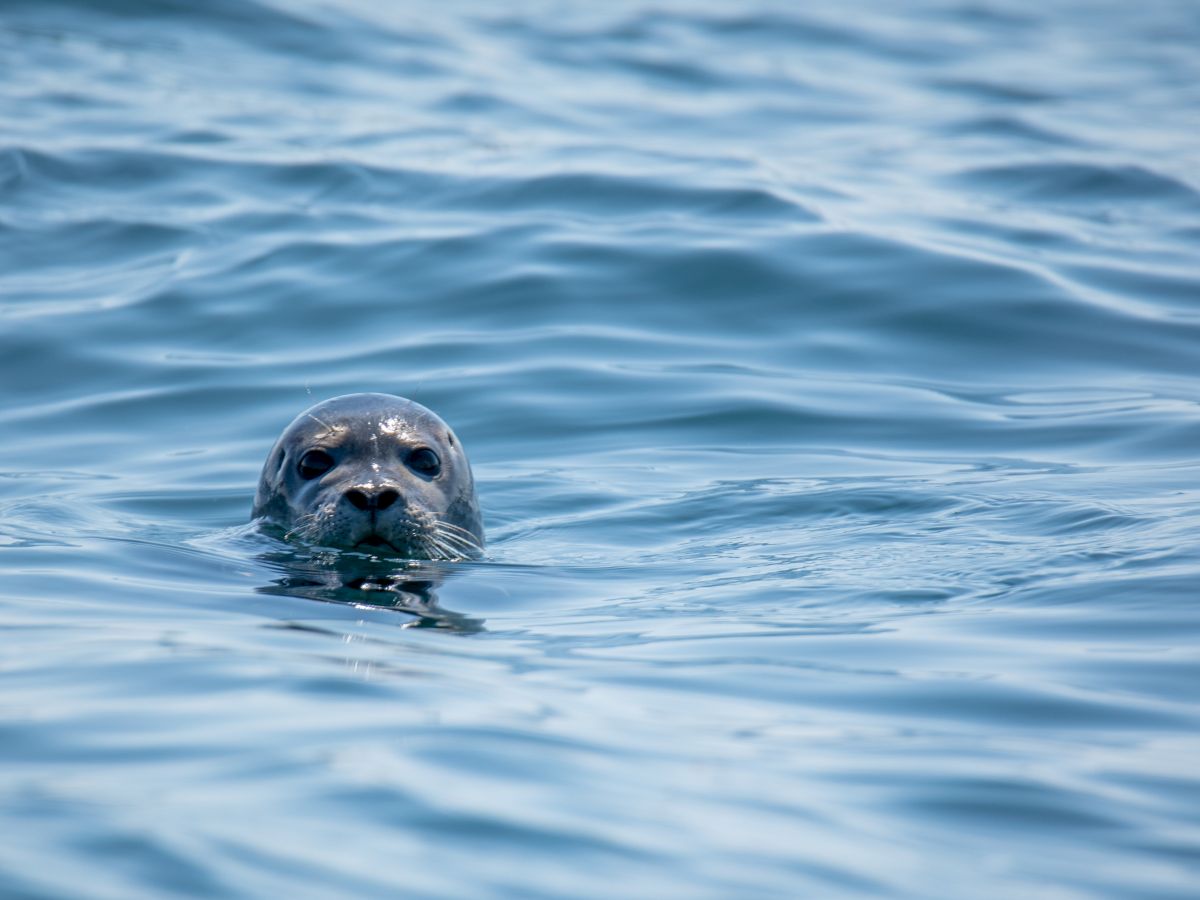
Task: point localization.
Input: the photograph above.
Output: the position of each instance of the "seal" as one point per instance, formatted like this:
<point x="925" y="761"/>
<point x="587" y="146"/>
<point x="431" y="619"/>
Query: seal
<point x="372" y="472"/>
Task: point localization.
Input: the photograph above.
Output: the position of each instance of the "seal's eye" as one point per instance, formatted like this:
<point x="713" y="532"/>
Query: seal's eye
<point x="425" y="462"/>
<point x="314" y="463"/>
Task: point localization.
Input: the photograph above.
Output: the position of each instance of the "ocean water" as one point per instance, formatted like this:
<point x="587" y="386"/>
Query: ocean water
<point x="831" y="377"/>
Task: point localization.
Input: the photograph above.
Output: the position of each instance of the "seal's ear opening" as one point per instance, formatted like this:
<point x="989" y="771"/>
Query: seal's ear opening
<point x="449" y="439"/>
<point x="279" y="459"/>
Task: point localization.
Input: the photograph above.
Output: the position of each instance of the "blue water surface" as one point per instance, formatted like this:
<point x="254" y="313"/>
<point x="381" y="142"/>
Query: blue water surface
<point x="831" y="376"/>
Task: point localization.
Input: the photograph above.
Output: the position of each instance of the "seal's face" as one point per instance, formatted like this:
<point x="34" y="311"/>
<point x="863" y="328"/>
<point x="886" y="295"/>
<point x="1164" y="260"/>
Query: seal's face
<point x="374" y="472"/>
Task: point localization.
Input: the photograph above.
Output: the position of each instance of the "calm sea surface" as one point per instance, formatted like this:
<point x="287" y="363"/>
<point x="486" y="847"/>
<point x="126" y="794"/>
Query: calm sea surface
<point x="832" y="382"/>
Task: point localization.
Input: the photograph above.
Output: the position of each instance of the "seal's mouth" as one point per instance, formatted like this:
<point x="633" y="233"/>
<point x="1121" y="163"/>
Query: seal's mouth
<point x="375" y="541"/>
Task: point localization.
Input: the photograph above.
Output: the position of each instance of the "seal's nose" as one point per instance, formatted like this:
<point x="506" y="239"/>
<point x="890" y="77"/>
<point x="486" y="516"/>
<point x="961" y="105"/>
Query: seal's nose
<point x="369" y="498"/>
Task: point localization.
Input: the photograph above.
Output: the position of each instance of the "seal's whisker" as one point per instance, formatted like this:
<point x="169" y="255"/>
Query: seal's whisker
<point x="464" y="542"/>
<point x="450" y="549"/>
<point x="441" y="540"/>
<point x="450" y="537"/>
<point x="450" y="526"/>
<point x="436" y="550"/>
<point x="441" y="554"/>
<point x="304" y="527"/>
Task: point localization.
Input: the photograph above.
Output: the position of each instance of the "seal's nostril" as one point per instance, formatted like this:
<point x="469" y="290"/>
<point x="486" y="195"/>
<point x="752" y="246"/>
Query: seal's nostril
<point x="369" y="499"/>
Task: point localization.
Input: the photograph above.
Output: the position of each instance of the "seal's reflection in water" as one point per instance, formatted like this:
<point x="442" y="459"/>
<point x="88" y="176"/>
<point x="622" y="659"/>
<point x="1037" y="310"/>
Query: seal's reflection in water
<point x="363" y="580"/>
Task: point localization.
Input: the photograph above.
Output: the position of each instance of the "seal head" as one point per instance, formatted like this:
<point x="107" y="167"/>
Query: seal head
<point x="373" y="472"/>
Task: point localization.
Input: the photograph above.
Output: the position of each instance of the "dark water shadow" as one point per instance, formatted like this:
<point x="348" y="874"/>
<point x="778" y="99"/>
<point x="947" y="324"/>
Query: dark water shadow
<point x="366" y="581"/>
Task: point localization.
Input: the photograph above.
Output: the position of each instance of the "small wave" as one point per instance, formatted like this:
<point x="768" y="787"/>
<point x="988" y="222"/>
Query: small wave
<point x="597" y="194"/>
<point x="1013" y="128"/>
<point x="1084" y="184"/>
